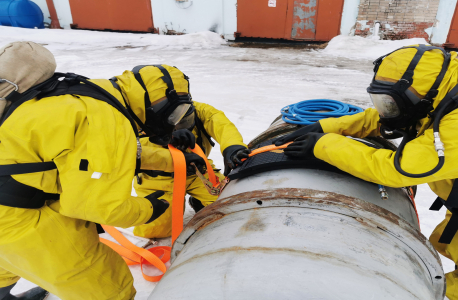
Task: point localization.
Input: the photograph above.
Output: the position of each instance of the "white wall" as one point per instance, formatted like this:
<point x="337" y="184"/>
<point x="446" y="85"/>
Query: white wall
<point x="196" y="15"/>
<point x="349" y="16"/>
<point x="63" y="12"/>
<point x="44" y="8"/>
<point x="443" y="20"/>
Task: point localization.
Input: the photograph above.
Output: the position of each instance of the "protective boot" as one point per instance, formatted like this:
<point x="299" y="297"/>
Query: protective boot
<point x="195" y="204"/>
<point x="37" y="293"/>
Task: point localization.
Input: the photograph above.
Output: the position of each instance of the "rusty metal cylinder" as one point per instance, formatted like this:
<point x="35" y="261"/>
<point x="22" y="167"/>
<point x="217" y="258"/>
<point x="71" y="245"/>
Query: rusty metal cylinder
<point x="303" y="234"/>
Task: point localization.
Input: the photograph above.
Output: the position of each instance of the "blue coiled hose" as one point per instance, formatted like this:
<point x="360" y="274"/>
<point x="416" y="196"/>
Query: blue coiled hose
<point x="310" y="111"/>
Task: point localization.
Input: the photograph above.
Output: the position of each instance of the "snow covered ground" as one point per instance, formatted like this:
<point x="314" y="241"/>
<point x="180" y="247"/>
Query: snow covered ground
<point x="249" y="84"/>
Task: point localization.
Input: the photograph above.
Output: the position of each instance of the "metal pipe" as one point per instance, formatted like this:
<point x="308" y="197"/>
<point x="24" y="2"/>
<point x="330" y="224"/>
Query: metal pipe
<point x="376" y="30"/>
<point x="303" y="234"/>
<point x="54" y="19"/>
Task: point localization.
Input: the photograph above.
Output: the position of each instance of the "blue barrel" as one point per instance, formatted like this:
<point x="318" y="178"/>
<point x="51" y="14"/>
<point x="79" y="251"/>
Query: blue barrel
<point x="20" y="13"/>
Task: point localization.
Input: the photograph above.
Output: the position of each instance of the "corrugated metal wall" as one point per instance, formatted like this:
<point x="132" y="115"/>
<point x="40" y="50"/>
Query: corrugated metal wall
<point x="317" y="20"/>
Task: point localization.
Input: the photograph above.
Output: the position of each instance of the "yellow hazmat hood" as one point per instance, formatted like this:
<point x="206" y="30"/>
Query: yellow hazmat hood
<point x="394" y="66"/>
<point x="152" y="77"/>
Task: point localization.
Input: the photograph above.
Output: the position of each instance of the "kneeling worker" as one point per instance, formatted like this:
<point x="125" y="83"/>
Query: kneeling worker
<point x="413" y="91"/>
<point x="68" y="154"/>
<point x="201" y="123"/>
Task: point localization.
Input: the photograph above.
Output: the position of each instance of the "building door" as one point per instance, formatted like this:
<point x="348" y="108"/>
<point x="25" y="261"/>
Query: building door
<point x="132" y="15"/>
<point x="262" y="18"/>
<point x="317" y="20"/>
<point x="304" y="19"/>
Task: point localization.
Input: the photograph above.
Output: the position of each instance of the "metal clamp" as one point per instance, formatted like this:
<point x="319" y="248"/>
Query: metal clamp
<point x="213" y="190"/>
<point x="438" y="144"/>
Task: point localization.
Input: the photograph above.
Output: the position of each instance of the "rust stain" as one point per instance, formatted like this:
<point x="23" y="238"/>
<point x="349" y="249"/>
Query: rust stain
<point x="312" y="255"/>
<point x="319" y="198"/>
<point x="211" y="219"/>
<point x="274" y="182"/>
<point x="254" y="223"/>
<point x="304" y="19"/>
<point x="316" y="256"/>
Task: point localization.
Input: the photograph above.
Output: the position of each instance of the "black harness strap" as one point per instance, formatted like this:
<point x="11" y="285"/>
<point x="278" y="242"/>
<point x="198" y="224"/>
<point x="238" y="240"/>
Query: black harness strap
<point x="407" y="78"/>
<point x="131" y="112"/>
<point x="166" y="78"/>
<point x="155" y="173"/>
<point x="16" y="169"/>
<point x="201" y="130"/>
<point x="452" y="205"/>
<point x="137" y="75"/>
<point x="452" y="200"/>
<point x="16" y="194"/>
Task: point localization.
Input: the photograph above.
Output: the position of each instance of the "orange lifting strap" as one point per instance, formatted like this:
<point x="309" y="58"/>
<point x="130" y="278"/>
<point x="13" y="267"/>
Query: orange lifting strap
<point x="158" y="256"/>
<point x="267" y="149"/>
<point x="179" y="186"/>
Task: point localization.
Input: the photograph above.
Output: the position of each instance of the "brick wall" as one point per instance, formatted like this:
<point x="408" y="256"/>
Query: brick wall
<point x="399" y="19"/>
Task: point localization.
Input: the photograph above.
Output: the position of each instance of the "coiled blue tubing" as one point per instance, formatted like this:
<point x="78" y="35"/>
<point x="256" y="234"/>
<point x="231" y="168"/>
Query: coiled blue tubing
<point x="310" y="111"/>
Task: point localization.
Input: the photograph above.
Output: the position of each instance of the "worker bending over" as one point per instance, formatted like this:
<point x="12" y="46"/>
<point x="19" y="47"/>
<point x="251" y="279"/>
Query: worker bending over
<point x="68" y="154"/>
<point x="414" y="92"/>
<point x="201" y="123"/>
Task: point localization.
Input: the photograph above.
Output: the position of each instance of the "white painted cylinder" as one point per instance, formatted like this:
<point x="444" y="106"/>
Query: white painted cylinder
<point x="303" y="234"/>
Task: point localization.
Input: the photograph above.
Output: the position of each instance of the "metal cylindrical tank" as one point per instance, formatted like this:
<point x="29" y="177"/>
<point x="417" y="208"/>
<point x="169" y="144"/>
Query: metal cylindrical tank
<point x="303" y="234"/>
<point x="20" y="13"/>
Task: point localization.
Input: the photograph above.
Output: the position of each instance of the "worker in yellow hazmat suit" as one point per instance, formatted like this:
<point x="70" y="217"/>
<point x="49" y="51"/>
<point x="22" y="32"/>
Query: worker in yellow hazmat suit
<point x="68" y="154"/>
<point x="412" y="91"/>
<point x="201" y="123"/>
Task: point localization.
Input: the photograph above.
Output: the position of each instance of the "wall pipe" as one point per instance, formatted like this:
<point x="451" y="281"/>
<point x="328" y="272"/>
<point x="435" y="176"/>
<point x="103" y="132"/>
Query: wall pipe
<point x="52" y="11"/>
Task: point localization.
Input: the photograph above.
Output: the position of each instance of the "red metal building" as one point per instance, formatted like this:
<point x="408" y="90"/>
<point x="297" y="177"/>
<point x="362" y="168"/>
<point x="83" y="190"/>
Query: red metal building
<point x="315" y="20"/>
<point x="132" y="15"/>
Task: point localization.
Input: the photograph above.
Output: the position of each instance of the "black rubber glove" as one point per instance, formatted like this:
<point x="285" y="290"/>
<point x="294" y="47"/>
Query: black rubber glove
<point x="183" y="139"/>
<point x="233" y="156"/>
<point x="159" y="206"/>
<point x="197" y="160"/>
<point x="316" y="127"/>
<point x="303" y="146"/>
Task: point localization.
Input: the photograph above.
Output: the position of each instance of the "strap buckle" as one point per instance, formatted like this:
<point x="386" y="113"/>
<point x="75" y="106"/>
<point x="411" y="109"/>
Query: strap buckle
<point x="212" y="190"/>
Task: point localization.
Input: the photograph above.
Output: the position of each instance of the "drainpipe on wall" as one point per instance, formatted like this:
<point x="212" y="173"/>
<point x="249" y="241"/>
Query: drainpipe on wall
<point x="375" y="35"/>
<point x="52" y="11"/>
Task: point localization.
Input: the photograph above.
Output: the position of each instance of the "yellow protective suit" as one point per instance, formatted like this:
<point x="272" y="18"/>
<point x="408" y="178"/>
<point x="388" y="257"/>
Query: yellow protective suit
<point x="218" y="127"/>
<point x="419" y="155"/>
<point x="57" y="245"/>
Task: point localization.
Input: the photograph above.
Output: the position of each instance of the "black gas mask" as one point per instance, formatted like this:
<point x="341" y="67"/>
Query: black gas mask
<point x="162" y="117"/>
<point x="398" y="107"/>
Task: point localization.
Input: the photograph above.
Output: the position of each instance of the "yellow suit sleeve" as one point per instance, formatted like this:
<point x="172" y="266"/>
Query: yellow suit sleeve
<point x="155" y="157"/>
<point x="106" y="200"/>
<point x="360" y="125"/>
<point x="218" y="126"/>
<point x="62" y="133"/>
<point x="377" y="165"/>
